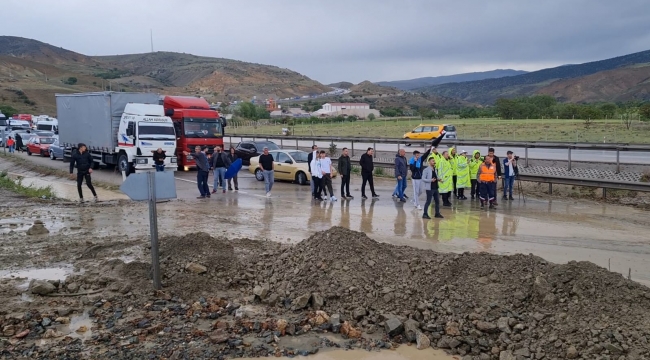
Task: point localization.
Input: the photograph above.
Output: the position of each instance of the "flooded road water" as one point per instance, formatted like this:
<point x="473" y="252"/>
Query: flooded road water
<point x="557" y="230"/>
<point x="401" y="353"/>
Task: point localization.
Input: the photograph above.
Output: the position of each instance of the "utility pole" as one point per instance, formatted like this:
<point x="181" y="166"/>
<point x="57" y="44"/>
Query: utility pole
<point x="151" y="33"/>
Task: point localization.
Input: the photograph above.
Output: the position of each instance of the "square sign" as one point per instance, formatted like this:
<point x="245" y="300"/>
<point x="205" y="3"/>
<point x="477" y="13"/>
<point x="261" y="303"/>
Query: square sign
<point x="136" y="186"/>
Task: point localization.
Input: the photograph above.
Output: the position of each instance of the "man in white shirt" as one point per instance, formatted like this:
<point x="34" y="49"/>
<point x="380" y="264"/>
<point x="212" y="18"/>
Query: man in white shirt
<point x="326" y="167"/>
<point x="310" y="158"/>
<point x="315" y="167"/>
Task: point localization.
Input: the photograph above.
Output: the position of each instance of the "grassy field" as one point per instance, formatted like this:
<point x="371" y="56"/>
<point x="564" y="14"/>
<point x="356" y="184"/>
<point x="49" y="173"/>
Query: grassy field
<point x="597" y="131"/>
<point x="17" y="187"/>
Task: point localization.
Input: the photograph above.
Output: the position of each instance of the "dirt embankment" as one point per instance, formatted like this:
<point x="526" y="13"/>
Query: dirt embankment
<point x="232" y="298"/>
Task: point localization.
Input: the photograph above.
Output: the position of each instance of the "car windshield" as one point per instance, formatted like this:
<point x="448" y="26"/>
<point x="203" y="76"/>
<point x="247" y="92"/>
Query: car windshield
<point x="299" y="156"/>
<point x="202" y="128"/>
<point x="450" y="128"/>
<point x="270" y="145"/>
<point x="45" y="140"/>
<point x="153" y="132"/>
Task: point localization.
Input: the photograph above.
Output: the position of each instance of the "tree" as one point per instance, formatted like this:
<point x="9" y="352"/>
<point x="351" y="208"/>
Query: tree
<point x="371" y="117"/>
<point x="644" y="111"/>
<point x="71" y="80"/>
<point x="609" y="109"/>
<point x="8" y="110"/>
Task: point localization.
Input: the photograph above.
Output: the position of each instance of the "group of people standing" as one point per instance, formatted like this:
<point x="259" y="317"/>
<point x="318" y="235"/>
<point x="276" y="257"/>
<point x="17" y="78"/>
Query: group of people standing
<point x="218" y="163"/>
<point x="442" y="174"/>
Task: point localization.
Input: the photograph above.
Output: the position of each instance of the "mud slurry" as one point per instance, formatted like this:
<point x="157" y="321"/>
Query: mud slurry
<point x="337" y="289"/>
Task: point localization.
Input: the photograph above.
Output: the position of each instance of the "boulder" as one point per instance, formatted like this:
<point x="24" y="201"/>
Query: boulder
<point x="572" y="353"/>
<point x="38" y="229"/>
<point x="359" y="313"/>
<point x="422" y="341"/>
<point x="452" y="329"/>
<point x="394" y="327"/>
<point x="301" y="302"/>
<point x="261" y="291"/>
<point x="317" y="301"/>
<point x="503" y="325"/>
<point x="411" y="329"/>
<point x="486" y="326"/>
<point x="507" y="355"/>
<point x="195" y="268"/>
<point x="41" y="287"/>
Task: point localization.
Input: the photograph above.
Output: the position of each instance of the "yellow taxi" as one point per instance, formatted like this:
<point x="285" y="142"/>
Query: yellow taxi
<point x="290" y="165"/>
<point x="430" y="132"/>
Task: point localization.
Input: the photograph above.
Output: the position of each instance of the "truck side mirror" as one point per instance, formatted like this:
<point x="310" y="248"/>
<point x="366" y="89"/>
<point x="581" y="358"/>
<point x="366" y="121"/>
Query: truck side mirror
<point x="224" y="122"/>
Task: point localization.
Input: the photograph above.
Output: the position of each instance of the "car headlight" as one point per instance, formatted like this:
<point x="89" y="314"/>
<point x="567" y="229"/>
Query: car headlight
<point x="174" y="160"/>
<point x="141" y="161"/>
<point x="189" y="157"/>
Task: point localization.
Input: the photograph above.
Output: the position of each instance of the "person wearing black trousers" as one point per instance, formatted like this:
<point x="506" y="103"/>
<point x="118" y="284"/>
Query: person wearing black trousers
<point x="84" y="163"/>
<point x="367" y="167"/>
<point x="497" y="163"/>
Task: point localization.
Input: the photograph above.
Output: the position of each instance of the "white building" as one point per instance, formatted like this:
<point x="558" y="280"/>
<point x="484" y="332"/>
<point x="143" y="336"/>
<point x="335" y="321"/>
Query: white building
<point x="360" y="110"/>
<point x="335" y="107"/>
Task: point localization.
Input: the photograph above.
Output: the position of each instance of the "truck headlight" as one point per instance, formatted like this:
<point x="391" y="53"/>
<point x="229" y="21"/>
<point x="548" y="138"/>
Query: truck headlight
<point x="174" y="161"/>
<point x="141" y="161"/>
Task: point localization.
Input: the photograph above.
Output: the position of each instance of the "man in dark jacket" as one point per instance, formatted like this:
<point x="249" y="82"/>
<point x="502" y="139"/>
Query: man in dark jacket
<point x="367" y="168"/>
<point x="345" y="169"/>
<point x="220" y="163"/>
<point x="19" y="142"/>
<point x="497" y="163"/>
<point x="203" y="170"/>
<point x="233" y="157"/>
<point x="84" y="162"/>
<point x="400" y="174"/>
<point x="159" y="159"/>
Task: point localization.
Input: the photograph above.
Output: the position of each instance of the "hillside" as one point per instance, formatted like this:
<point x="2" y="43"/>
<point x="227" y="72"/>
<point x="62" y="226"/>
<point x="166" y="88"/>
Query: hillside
<point x="342" y="85"/>
<point x="437" y="80"/>
<point x="630" y="83"/>
<point x="487" y="91"/>
<point x="31" y="72"/>
<point x="366" y="88"/>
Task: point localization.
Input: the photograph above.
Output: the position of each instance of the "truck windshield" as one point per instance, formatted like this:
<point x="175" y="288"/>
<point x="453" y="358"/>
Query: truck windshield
<point x="202" y="128"/>
<point x="152" y="132"/>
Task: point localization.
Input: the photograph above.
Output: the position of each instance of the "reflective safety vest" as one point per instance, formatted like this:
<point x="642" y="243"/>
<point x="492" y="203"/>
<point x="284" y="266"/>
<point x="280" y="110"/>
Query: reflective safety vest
<point x="488" y="173"/>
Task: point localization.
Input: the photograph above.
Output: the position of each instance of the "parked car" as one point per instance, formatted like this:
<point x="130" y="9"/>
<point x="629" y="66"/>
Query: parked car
<point x="290" y="165"/>
<point x="39" y="145"/>
<point x="246" y="150"/>
<point x="56" y="150"/>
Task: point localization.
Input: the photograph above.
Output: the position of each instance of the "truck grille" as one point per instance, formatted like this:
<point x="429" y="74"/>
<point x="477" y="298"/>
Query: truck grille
<point x="210" y="148"/>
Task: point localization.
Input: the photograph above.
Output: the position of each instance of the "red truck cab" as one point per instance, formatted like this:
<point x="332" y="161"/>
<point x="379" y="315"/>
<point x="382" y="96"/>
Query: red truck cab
<point x="195" y="124"/>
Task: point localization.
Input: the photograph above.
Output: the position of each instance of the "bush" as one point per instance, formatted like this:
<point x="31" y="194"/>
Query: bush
<point x="70" y="81"/>
<point x="371" y="117"/>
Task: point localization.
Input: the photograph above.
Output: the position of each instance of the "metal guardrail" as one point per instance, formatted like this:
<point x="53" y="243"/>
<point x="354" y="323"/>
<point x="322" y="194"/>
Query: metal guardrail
<point x="455" y="142"/>
<point x="566" y="180"/>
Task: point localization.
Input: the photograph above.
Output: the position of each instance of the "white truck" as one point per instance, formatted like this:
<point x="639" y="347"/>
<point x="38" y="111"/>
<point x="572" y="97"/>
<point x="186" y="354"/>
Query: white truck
<point x="120" y="129"/>
<point x="47" y="124"/>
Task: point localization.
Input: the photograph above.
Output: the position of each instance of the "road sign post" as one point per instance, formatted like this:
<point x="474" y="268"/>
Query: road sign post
<point x="151" y="186"/>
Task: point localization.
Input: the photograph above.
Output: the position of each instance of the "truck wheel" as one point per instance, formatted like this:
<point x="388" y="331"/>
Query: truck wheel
<point x="301" y="178"/>
<point x="259" y="175"/>
<point x="123" y="164"/>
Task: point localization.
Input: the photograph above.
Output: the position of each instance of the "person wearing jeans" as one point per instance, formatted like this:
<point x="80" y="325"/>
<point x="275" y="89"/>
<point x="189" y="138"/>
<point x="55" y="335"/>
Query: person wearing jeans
<point x="203" y="170"/>
<point x="267" y="165"/>
<point x="400" y="174"/>
<point x="430" y="181"/>
<point x="220" y="163"/>
<point x="159" y="159"/>
<point x="11" y="144"/>
<point x="509" y="174"/>
<point x="415" y="164"/>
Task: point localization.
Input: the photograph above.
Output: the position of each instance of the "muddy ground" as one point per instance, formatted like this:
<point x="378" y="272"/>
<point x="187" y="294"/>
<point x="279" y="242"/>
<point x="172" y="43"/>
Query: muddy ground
<point x="245" y="276"/>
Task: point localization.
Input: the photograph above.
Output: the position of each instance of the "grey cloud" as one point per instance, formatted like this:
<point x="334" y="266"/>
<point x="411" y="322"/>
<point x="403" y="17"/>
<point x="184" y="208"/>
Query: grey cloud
<point x="351" y="40"/>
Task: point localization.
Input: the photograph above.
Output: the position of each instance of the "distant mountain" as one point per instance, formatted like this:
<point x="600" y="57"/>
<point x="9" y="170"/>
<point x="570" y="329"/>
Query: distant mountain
<point x="342" y="85"/>
<point x="488" y="90"/>
<point x="437" y="80"/>
<point x="366" y="88"/>
<point x="625" y="84"/>
<point x="31" y="72"/>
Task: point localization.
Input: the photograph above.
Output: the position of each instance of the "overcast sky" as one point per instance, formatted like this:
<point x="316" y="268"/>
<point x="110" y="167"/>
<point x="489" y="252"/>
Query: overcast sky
<point x="346" y="40"/>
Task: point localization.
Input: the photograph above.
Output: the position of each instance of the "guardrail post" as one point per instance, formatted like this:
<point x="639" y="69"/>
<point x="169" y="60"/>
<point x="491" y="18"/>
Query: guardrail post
<point x="374" y="146"/>
<point x="281" y="144"/>
<point x="604" y="193"/>
<point x="618" y="160"/>
<point x="352" y="147"/>
<point x="550" y="188"/>
<point x="297" y="144"/>
<point x="569" y="158"/>
<point x="526" y="155"/>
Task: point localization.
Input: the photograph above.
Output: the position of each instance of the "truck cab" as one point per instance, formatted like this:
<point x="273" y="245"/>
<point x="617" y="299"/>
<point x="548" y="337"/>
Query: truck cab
<point x="143" y="129"/>
<point x="196" y="124"/>
<point x="48" y="124"/>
